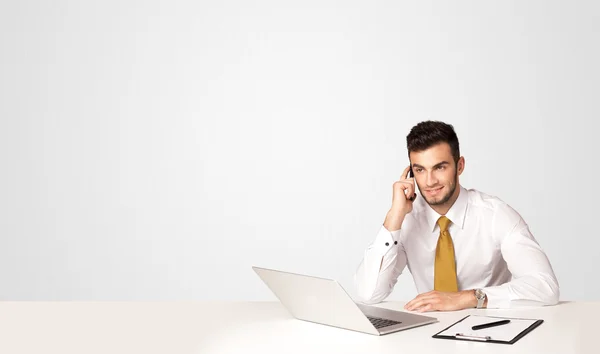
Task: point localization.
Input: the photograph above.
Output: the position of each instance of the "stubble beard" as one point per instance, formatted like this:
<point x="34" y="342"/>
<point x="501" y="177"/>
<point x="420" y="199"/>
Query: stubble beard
<point x="446" y="197"/>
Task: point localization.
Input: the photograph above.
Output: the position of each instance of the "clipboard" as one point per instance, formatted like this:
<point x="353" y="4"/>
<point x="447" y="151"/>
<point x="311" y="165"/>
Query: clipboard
<point x="527" y="324"/>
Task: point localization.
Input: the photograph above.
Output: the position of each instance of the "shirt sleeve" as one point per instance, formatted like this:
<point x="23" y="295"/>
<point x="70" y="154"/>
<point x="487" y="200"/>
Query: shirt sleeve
<point x="383" y="261"/>
<point x="533" y="281"/>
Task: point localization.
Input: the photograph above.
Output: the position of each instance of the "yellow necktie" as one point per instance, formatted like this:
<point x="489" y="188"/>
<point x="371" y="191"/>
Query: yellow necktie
<point x="445" y="265"/>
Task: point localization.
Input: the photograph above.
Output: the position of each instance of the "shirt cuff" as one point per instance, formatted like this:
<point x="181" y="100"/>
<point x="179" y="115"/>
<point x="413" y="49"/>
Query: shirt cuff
<point x="386" y="240"/>
<point x="497" y="296"/>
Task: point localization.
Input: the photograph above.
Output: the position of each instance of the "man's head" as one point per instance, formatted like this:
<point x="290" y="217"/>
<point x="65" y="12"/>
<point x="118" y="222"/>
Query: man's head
<point x="435" y="158"/>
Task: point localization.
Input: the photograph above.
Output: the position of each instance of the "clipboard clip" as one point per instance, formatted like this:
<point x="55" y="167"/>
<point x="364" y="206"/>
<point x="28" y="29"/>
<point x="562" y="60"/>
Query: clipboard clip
<point x="469" y="337"/>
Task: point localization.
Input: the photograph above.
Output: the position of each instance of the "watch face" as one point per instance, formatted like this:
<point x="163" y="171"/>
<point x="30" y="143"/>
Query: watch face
<point x="479" y="294"/>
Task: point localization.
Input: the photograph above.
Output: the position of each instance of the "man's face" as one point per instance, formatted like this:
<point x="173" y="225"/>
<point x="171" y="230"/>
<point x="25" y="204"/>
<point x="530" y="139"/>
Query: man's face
<point x="436" y="173"/>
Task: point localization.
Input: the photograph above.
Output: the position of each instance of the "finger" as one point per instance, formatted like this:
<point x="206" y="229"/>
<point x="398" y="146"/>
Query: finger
<point x="405" y="183"/>
<point x="410" y="303"/>
<point x="403" y="186"/>
<point x="407" y="188"/>
<point x="433" y="299"/>
<point x="423" y="300"/>
<point x="405" y="173"/>
<point x="414" y="185"/>
<point x="429" y="294"/>
<point x="410" y="192"/>
<point x="422" y="295"/>
<point x="426" y="308"/>
<point x="417" y="304"/>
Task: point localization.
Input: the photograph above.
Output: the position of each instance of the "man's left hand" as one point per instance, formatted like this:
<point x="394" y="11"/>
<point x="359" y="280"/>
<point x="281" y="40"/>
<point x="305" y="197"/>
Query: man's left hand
<point x="442" y="301"/>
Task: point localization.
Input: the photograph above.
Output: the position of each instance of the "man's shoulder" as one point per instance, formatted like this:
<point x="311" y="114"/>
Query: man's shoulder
<point x="504" y="217"/>
<point x="478" y="199"/>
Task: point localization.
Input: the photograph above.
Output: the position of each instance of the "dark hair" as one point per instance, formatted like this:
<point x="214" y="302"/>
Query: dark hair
<point x="429" y="133"/>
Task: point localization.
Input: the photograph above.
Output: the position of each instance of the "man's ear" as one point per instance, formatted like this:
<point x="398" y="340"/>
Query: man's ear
<point x="461" y="165"/>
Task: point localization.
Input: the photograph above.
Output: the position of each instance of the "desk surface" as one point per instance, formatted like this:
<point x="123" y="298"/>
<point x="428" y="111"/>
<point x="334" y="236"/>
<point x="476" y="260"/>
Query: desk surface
<point x="261" y="327"/>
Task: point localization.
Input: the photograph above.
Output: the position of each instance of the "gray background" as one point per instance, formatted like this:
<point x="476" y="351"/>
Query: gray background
<point x="156" y="150"/>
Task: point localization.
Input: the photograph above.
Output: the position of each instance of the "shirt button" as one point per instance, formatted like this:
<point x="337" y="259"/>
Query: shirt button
<point x="387" y="243"/>
<point x="395" y="242"/>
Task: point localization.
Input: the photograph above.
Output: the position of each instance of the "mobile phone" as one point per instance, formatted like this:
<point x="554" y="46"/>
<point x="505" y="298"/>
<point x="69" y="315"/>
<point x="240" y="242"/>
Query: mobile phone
<point x="411" y="175"/>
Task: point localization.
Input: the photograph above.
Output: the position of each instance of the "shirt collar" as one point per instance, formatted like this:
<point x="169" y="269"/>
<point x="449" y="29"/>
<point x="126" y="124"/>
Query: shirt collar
<point x="456" y="214"/>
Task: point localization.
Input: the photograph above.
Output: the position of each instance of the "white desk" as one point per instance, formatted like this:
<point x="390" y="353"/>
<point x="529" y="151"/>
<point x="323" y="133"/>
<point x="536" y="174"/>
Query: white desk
<point x="262" y="327"/>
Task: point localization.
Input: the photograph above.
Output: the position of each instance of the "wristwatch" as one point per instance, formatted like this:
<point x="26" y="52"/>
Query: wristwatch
<point x="480" y="296"/>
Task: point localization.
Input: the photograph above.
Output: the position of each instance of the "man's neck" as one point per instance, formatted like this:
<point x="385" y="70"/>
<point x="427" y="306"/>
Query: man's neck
<point x="443" y="208"/>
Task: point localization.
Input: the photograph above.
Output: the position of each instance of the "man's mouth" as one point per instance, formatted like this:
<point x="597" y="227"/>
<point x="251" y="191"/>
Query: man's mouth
<point x="434" y="191"/>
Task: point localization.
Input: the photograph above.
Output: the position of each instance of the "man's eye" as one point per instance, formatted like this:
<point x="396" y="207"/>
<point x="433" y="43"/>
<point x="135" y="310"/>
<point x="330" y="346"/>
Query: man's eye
<point x="419" y="170"/>
<point x="441" y="167"/>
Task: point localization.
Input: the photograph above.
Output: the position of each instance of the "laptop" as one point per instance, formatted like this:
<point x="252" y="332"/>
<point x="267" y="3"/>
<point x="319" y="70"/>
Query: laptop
<point x="325" y="301"/>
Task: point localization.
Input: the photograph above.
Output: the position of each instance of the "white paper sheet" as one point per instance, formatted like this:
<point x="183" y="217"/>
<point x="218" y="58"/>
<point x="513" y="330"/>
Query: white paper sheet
<point x="505" y="332"/>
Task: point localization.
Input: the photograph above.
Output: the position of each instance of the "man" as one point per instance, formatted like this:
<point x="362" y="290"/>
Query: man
<point x="465" y="249"/>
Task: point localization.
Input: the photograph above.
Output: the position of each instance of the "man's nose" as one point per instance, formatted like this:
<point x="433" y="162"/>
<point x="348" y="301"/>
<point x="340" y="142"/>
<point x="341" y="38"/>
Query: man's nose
<point x="431" y="179"/>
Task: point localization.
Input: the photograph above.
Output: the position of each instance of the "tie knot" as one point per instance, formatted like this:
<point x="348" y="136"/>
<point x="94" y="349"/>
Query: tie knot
<point x="443" y="222"/>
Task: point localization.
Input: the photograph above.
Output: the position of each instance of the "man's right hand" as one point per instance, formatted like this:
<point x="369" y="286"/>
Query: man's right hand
<point x="402" y="201"/>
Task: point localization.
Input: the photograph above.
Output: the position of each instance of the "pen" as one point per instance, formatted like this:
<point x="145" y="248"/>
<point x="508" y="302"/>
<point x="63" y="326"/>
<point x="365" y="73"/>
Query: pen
<point x="466" y="336"/>
<point x="491" y="324"/>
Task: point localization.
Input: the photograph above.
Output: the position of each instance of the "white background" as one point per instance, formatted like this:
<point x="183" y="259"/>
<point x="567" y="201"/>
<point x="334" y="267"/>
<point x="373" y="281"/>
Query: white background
<point x="156" y="150"/>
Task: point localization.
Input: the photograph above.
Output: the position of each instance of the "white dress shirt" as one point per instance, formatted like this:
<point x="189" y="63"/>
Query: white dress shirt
<point x="493" y="247"/>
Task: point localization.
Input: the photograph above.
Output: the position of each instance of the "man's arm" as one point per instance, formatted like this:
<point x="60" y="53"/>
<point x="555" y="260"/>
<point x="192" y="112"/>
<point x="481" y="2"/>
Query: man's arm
<point x="383" y="261"/>
<point x="534" y="282"/>
<point x="385" y="258"/>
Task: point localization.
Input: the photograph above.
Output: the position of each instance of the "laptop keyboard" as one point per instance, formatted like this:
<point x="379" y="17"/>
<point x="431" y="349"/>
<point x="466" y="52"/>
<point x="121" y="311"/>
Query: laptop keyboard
<point x="380" y="322"/>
